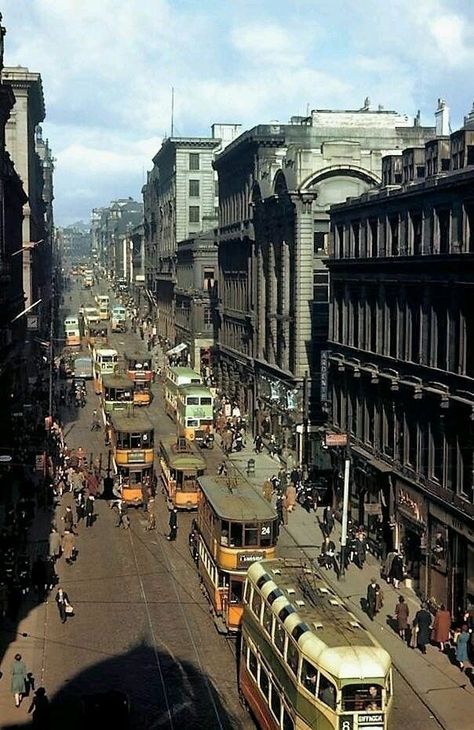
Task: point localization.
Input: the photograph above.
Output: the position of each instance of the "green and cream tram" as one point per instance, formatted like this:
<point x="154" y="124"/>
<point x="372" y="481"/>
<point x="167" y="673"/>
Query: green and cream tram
<point x="117" y="393"/>
<point x="306" y="660"/>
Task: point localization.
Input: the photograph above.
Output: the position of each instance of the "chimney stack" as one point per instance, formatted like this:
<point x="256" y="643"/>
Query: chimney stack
<point x="443" y="127"/>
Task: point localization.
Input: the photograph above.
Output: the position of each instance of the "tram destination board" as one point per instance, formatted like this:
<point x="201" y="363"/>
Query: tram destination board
<point x="365" y="722"/>
<point x="246" y="559"/>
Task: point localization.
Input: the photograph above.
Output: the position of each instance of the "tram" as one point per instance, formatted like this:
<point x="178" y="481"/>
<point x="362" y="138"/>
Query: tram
<point x="72" y="332"/>
<point x="105" y="363"/>
<point x="181" y="465"/>
<point x="139" y="370"/>
<point x="132" y="436"/>
<point x="117" y="393"/>
<point x="306" y="660"/>
<point x="195" y="412"/>
<point x="175" y="378"/>
<point x="235" y="527"/>
<point x="96" y="335"/>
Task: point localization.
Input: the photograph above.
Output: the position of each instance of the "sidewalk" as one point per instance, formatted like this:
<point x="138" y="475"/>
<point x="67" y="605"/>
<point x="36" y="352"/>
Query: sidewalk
<point x="442" y="687"/>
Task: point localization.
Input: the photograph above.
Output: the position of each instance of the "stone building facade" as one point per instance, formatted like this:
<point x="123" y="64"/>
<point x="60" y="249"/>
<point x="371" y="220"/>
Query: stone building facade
<point x="112" y="229"/>
<point x="180" y="200"/>
<point x="276" y="183"/>
<point x="402" y="363"/>
<point x="196" y="278"/>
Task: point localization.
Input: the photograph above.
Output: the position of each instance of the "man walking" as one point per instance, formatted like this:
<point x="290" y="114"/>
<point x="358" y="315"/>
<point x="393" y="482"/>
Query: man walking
<point x="422" y="624"/>
<point x="89" y="510"/>
<point x="372" y="589"/>
<point x="173" y="524"/>
<point x="62" y="600"/>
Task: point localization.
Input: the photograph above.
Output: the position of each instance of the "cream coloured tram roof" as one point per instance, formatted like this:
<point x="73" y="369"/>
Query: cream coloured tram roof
<point x="336" y="641"/>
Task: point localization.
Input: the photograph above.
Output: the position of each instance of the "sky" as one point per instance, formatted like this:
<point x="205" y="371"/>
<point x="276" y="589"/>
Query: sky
<point x="108" y="67"/>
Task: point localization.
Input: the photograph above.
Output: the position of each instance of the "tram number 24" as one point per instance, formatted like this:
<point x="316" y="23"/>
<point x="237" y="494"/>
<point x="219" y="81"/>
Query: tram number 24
<point x="264" y="531"/>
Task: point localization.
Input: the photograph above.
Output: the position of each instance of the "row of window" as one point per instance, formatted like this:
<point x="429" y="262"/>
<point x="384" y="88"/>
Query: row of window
<point x="268" y="687"/>
<point x="414" y="232"/>
<point x="434" y="446"/>
<point x="141" y="440"/>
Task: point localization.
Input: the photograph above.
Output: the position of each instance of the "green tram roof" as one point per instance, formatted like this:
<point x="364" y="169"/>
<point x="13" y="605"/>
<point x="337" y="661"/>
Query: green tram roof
<point x="131" y="422"/>
<point x="188" y="372"/>
<point x="234" y="498"/>
<point x="117" y="381"/>
<point x="330" y="635"/>
<point x="137" y="356"/>
<point x="182" y="460"/>
<point x="194" y="389"/>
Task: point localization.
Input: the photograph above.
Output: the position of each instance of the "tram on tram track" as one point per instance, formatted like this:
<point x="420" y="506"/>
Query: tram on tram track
<point x="195" y="412"/>
<point x="105" y="363"/>
<point x="139" y="370"/>
<point x="117" y="393"/>
<point x="306" y="661"/>
<point x="181" y="466"/>
<point x="132" y="438"/>
<point x="96" y="334"/>
<point x="72" y="332"/>
<point x="175" y="378"/>
<point x="235" y="527"/>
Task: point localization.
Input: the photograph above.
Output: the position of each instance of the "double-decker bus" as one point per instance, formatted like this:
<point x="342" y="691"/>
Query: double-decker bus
<point x="306" y="661"/>
<point x="117" y="393"/>
<point x="235" y="527"/>
<point x="72" y="332"/>
<point x="181" y="465"/>
<point x="175" y="378"/>
<point x="195" y="412"/>
<point x="105" y="363"/>
<point x="139" y="370"/>
<point x="132" y="437"/>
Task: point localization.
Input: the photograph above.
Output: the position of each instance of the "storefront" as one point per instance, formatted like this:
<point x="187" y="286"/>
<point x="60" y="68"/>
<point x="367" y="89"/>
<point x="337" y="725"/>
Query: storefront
<point x="280" y="408"/>
<point x="451" y="559"/>
<point x="411" y="516"/>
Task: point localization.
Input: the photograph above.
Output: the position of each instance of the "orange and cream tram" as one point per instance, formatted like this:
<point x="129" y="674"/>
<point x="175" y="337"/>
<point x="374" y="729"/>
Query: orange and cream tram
<point x="139" y="370"/>
<point x="235" y="527"/>
<point x="181" y="465"/>
<point x="132" y="436"/>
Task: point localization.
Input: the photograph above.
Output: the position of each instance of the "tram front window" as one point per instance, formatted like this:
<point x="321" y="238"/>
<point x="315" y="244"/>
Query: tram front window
<point x="357" y="697"/>
<point x="235" y="534"/>
<point x="251" y="535"/>
<point x="327" y="692"/>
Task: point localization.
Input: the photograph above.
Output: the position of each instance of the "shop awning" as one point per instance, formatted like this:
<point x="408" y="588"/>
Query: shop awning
<point x="371" y="460"/>
<point x="176" y="350"/>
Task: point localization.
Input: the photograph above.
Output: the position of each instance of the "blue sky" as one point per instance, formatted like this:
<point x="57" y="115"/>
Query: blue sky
<point x="108" y="67"/>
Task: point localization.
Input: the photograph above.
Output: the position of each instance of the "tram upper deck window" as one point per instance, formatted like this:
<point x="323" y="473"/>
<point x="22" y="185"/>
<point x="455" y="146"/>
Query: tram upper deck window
<point x="206" y="401"/>
<point x="251" y="534"/>
<point x="256" y="604"/>
<point x="358" y="697"/>
<point x="224" y="532"/>
<point x="267" y="536"/>
<point x="267" y="619"/>
<point x="292" y="657"/>
<point x="327" y="692"/>
<point x="309" y="677"/>
<point x="279" y="637"/>
<point x="275" y="702"/>
<point x="236" y="534"/>
<point x="192" y="400"/>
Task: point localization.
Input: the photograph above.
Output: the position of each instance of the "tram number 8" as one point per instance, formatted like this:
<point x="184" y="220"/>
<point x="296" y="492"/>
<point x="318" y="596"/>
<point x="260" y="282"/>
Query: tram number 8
<point x="346" y="723"/>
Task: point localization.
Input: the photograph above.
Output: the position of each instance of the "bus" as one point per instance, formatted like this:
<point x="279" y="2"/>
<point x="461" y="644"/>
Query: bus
<point x="195" y="412"/>
<point x="105" y="363"/>
<point x="306" y="661"/>
<point x="72" y="332"/>
<point x="181" y="465"/>
<point x="117" y="393"/>
<point x="175" y="377"/>
<point x="132" y="436"/>
<point x="119" y="318"/>
<point x="139" y="370"/>
<point x="235" y="527"/>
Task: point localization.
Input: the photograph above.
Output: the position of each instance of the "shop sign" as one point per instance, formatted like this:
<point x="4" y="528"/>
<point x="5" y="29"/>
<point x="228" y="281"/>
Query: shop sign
<point x="373" y="509"/>
<point x="245" y="559"/>
<point x="410" y="504"/>
<point x="335" y="439"/>
<point x="324" y="375"/>
<point x="451" y="521"/>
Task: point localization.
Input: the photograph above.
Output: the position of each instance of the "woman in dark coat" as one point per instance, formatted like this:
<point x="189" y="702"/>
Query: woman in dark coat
<point x="396" y="570"/>
<point x="441" y="627"/>
<point x="401" y="614"/>
<point x="422" y="623"/>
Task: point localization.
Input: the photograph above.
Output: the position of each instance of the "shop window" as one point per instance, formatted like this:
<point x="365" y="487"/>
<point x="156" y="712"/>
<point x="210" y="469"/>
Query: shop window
<point x="309" y="676"/>
<point x="327" y="692"/>
<point x="264" y="683"/>
<point x="275" y="702"/>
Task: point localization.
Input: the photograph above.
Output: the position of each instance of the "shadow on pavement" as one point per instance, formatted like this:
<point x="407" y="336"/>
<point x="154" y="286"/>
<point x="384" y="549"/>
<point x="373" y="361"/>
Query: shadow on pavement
<point x="136" y="680"/>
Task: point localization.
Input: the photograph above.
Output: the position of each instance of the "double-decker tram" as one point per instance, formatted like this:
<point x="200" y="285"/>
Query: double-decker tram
<point x="195" y="412"/>
<point x="235" y="527"/>
<point x="132" y="436"/>
<point x="181" y="466"/>
<point x="96" y="334"/>
<point x="105" y="363"/>
<point x="139" y="370"/>
<point x="72" y="332"/>
<point x="306" y="661"/>
<point x="175" y="378"/>
<point x="117" y="393"/>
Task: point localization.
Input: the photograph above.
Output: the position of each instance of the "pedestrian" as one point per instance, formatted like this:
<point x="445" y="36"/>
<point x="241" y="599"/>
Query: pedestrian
<point x="328" y="555"/>
<point x="401" y="615"/>
<point x="281" y="510"/>
<point x="80" y="505"/>
<point x="54" y="544"/>
<point x="145" y="496"/>
<point x="19" y="676"/>
<point x="64" y="606"/>
<point x="441" y="626"/>
<point x="68" y="519"/>
<point x="89" y="510"/>
<point x="40" y="709"/>
<point x="222" y="469"/>
<point x="462" y="643"/>
<point x="267" y="490"/>
<point x="396" y="572"/>
<point x="372" y="590"/>
<point x="290" y="494"/>
<point x="173" y="524"/>
<point x="38" y="577"/>
<point x="328" y="520"/>
<point x="51" y="577"/>
<point x="68" y="546"/>
<point x="258" y="443"/>
<point x="422" y="625"/>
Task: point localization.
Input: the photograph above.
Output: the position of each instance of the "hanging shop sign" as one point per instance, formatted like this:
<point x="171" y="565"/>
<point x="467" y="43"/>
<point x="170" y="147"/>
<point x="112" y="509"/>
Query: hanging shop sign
<point x="324" y="375"/>
<point x="335" y="439"/>
<point x="410" y="504"/>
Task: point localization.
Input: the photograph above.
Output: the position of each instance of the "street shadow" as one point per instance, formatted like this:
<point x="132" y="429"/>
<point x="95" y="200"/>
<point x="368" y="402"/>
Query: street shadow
<point x="159" y="690"/>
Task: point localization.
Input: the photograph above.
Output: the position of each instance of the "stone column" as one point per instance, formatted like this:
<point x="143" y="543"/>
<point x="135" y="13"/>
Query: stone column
<point x="303" y="267"/>
<point x="284" y="361"/>
<point x="271" y="309"/>
<point x="261" y="304"/>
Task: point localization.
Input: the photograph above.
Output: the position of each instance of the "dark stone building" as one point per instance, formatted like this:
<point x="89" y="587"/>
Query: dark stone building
<point x="402" y="360"/>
